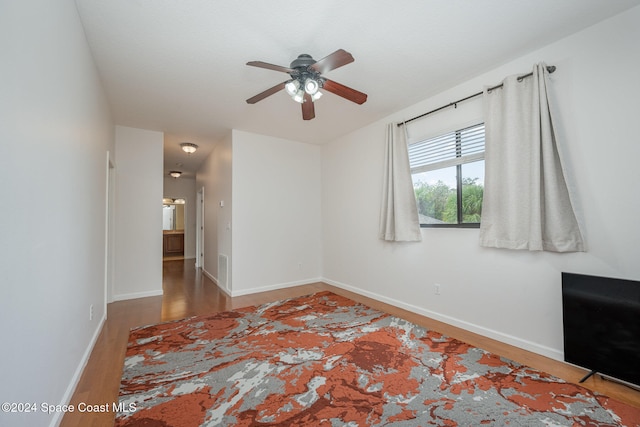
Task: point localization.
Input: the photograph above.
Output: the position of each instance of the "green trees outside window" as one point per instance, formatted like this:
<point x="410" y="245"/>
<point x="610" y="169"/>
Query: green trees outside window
<point x="439" y="202"/>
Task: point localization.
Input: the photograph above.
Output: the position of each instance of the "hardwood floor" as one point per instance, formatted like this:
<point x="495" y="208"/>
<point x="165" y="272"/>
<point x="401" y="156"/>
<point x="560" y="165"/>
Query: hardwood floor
<point x="187" y="292"/>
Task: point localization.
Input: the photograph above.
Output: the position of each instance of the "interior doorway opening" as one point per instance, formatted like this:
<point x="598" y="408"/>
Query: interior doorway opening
<point x="173" y="228"/>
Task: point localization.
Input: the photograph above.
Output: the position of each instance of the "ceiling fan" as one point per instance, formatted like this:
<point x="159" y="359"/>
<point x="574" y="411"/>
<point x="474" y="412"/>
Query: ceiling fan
<point x="306" y="81"/>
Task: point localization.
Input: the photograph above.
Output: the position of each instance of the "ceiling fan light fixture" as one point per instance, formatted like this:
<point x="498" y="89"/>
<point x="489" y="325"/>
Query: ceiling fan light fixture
<point x="292" y="87"/>
<point x="175" y="174"/>
<point x="311" y="86"/>
<point x="316" y="95"/>
<point x="188" y="147"/>
<point x="299" y="96"/>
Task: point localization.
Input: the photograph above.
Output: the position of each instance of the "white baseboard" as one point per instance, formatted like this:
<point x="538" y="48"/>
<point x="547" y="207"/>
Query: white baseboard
<point x="210" y="276"/>
<point x="274" y="287"/>
<point x="134" y="295"/>
<point x="481" y="330"/>
<point x="259" y="289"/>
<point x="490" y="333"/>
<point x="66" y="398"/>
<point x="215" y="280"/>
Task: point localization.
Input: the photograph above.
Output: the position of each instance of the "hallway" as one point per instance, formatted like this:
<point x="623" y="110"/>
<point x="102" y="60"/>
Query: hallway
<point x="188" y="292"/>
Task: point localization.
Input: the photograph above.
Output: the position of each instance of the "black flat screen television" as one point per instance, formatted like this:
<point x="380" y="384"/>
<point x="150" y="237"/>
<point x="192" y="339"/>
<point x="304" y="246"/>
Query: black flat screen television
<point x="601" y="325"/>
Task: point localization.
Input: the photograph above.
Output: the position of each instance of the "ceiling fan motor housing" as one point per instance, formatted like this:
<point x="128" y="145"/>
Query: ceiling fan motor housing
<point x="302" y="61"/>
<point x="301" y="71"/>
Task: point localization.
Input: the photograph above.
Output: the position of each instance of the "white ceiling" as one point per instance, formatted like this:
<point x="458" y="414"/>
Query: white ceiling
<point x="178" y="66"/>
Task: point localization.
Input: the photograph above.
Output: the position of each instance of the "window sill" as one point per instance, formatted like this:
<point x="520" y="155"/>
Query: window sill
<point x="470" y="225"/>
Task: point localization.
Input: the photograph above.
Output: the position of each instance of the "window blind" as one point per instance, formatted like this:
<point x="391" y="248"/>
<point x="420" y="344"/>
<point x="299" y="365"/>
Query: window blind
<point x="453" y="148"/>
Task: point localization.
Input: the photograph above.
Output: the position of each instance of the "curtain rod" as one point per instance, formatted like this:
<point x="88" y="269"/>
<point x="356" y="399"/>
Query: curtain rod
<point x="550" y="69"/>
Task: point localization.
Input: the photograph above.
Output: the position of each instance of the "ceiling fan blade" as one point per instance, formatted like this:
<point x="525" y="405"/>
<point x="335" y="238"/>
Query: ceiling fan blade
<point x="268" y="66"/>
<point x="330" y="62"/>
<point x="344" y="91"/>
<point x="268" y="92"/>
<point x="308" y="110"/>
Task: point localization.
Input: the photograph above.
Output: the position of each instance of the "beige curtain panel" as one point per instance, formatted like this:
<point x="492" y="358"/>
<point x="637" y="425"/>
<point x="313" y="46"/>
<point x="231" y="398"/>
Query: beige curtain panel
<point x="398" y="213"/>
<point x="526" y="202"/>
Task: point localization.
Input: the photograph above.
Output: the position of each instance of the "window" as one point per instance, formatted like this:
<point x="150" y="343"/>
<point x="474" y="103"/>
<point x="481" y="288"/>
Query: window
<point x="448" y="178"/>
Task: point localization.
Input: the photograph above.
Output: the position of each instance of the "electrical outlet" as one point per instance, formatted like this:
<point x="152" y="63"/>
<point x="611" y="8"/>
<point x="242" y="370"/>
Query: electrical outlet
<point x="436" y="288"/>
<point x="91" y="312"/>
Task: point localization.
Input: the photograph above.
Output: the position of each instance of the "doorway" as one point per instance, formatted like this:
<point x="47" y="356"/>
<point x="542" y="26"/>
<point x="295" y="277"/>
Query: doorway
<point x="173" y="221"/>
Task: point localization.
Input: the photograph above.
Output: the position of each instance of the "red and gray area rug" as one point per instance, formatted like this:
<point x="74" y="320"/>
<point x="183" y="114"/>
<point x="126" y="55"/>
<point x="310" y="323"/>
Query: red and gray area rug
<point x="325" y="360"/>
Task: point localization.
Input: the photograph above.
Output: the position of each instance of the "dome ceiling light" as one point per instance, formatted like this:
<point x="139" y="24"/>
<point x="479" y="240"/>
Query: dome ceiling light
<point x="188" y="147"/>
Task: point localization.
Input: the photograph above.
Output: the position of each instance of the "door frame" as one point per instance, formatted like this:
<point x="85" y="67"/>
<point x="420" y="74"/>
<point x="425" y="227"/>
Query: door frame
<point x="109" y="232"/>
<point x="200" y="228"/>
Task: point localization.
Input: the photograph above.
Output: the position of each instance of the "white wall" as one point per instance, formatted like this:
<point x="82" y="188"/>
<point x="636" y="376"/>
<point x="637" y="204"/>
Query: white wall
<point x="55" y="131"/>
<point x="269" y="226"/>
<point x="509" y="295"/>
<point x="276" y="213"/>
<point x="138" y="213"/>
<point x="214" y="176"/>
<point x="184" y="188"/>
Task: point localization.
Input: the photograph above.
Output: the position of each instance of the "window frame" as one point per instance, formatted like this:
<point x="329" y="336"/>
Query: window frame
<point x="458" y="164"/>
